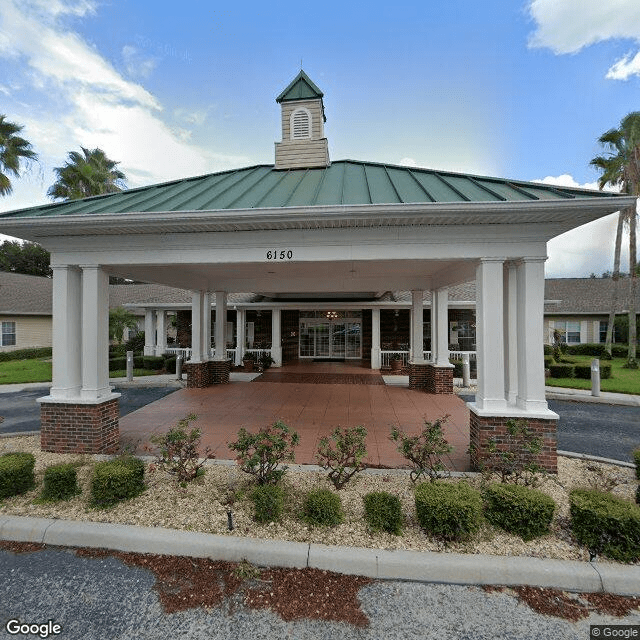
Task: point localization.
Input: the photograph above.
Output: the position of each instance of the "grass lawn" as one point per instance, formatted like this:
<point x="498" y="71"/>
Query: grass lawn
<point x="39" y="370"/>
<point x="621" y="381"/>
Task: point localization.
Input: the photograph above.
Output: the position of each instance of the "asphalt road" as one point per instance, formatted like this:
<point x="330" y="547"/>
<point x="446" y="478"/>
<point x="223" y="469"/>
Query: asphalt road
<point x="21" y="412"/>
<point x="609" y="431"/>
<point x="98" y="598"/>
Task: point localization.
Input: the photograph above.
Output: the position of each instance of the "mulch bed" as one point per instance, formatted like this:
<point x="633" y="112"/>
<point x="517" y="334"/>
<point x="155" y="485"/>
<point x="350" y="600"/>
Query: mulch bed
<point x="320" y="378"/>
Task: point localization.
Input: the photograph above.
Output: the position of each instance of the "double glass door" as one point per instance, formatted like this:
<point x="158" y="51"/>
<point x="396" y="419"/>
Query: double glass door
<point x="330" y="338"/>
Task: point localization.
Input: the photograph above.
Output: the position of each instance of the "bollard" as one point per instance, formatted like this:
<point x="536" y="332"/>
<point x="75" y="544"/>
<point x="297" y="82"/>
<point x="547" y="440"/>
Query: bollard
<point x="129" y="366"/>
<point x="465" y="370"/>
<point x="179" y="367"/>
<point x="595" y="377"/>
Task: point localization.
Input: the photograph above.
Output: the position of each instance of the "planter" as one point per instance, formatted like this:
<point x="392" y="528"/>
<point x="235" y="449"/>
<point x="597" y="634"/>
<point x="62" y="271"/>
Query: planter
<point x="396" y="365"/>
<point x="248" y="365"/>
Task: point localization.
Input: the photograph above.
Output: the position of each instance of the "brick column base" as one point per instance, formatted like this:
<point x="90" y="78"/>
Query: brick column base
<point x="431" y="379"/>
<point x="483" y="428"/>
<point x="80" y="428"/>
<point x="206" y="374"/>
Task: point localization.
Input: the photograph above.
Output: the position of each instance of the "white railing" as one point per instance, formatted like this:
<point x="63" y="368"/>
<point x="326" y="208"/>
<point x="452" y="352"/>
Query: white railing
<point x="258" y="353"/>
<point x="457" y="355"/>
<point x="387" y="356"/>
<point x="185" y="352"/>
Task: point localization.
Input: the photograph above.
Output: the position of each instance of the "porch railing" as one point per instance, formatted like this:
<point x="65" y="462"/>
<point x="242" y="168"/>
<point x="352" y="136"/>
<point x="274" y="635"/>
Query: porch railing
<point x="184" y="351"/>
<point x="258" y="353"/>
<point x="387" y="356"/>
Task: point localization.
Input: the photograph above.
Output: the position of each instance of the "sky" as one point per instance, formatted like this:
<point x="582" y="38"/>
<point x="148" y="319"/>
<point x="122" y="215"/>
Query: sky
<point x="519" y="89"/>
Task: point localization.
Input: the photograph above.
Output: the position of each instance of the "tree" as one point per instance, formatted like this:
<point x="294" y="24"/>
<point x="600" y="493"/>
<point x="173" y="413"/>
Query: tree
<point x="620" y="167"/>
<point x="119" y="319"/>
<point x="13" y="150"/>
<point x="89" y="173"/>
<point x="27" y="257"/>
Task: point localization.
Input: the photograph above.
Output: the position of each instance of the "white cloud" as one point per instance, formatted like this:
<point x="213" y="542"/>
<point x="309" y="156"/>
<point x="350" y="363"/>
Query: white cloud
<point x="587" y="249"/>
<point x="567" y="26"/>
<point x="627" y="66"/>
<point x="408" y="162"/>
<point x="137" y="65"/>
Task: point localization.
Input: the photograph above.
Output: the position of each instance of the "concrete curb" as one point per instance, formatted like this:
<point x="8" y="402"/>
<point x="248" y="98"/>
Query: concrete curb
<point x="420" y="566"/>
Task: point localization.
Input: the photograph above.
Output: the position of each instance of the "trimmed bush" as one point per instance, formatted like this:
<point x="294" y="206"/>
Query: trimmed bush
<point x="548" y="362"/>
<point x="115" y="480"/>
<point x="620" y="350"/>
<point x="268" y="500"/>
<point x="548" y="350"/>
<point x="452" y="511"/>
<point x="170" y="364"/>
<point x="16" y="473"/>
<point x="383" y="511"/>
<point x="138" y="362"/>
<point x="606" y="524"/>
<point x="583" y="371"/>
<point x="322" y="508"/>
<point x="60" y="482"/>
<point x="638" y="495"/>
<point x="594" y="349"/>
<point x="117" y="364"/>
<point x="26" y="354"/>
<point x="457" y="368"/>
<point x="562" y="371"/>
<point x="636" y="459"/>
<point x="520" y="510"/>
<point x="155" y="363"/>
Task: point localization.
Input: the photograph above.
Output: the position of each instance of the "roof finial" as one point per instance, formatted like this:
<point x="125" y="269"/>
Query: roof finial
<point x="300" y="64"/>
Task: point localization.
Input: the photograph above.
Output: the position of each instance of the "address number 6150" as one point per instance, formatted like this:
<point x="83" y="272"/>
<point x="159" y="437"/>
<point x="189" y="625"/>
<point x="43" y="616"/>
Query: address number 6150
<point x="282" y="254"/>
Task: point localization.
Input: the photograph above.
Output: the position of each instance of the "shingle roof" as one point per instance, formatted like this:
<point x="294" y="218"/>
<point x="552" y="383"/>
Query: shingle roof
<point x="585" y="295"/>
<point x="300" y="88"/>
<point x="23" y="294"/>
<point x="345" y="182"/>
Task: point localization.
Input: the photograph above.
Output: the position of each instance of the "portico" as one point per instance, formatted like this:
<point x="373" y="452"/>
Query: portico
<point x="309" y="235"/>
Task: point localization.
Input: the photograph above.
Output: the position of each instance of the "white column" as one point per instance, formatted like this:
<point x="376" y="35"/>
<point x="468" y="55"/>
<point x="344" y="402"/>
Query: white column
<point x="417" y="326"/>
<point x="67" y="332"/>
<point x="95" y="333"/>
<point x="490" y="335"/>
<point x="149" y="332"/>
<point x="241" y="319"/>
<point x="221" y="324"/>
<point x="161" y="328"/>
<point x="511" y="331"/>
<point x="375" y="338"/>
<point x="276" y="337"/>
<point x="434" y="326"/>
<point x="442" y="332"/>
<point x="531" y="394"/>
<point x="206" y="325"/>
<point x="196" y="326"/>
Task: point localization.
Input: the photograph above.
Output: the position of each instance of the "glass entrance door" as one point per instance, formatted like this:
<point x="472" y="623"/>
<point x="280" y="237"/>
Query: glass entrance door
<point x="330" y="338"/>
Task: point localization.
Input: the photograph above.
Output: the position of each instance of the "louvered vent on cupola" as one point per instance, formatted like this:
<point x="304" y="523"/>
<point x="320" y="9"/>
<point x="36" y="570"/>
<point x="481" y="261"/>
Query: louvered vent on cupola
<point x="303" y="143"/>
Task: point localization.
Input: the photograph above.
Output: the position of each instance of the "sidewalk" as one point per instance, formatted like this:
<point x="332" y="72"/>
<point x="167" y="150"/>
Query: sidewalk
<point x="584" y="395"/>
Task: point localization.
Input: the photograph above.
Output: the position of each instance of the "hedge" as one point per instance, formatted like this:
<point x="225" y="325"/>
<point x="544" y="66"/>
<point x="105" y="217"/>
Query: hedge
<point x="60" y="482"/>
<point x="26" y="354"/>
<point x="636" y="459"/>
<point x="594" y="349"/>
<point x="114" y="480"/>
<point x="154" y="363"/>
<point x="523" y="511"/>
<point x="383" y="511"/>
<point x="117" y="364"/>
<point x="584" y="371"/>
<point x="606" y="524"/>
<point x="450" y="511"/>
<point x="268" y="500"/>
<point x="16" y="473"/>
<point x="322" y="507"/>
<point x="562" y="371"/>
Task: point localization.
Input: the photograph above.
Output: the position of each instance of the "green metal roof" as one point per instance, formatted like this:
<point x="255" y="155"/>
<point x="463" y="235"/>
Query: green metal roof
<point x="300" y="88"/>
<point x="345" y="182"/>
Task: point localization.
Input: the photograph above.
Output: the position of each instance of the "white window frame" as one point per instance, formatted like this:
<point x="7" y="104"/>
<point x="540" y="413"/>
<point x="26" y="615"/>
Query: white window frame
<point x="569" y="334"/>
<point x="292" y="128"/>
<point x="3" y="334"/>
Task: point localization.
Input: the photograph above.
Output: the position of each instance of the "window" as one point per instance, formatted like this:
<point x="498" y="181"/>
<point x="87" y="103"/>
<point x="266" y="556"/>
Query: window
<point x="300" y="124"/>
<point x="8" y="336"/>
<point x="603" y="330"/>
<point x="569" y="331"/>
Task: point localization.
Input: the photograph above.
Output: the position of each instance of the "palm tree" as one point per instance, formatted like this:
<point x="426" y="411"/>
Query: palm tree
<point x="89" y="173"/>
<point x="13" y="149"/>
<point x="621" y="167"/>
<point x="119" y="320"/>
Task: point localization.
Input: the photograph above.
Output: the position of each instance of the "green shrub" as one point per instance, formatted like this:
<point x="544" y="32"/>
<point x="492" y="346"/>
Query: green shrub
<point x="179" y="451"/>
<point x="261" y="453"/>
<point x="115" y="480"/>
<point x="424" y="451"/>
<point x="346" y="459"/>
<point x="620" y="350"/>
<point x="117" y="351"/>
<point x="170" y="364"/>
<point x="548" y="362"/>
<point x="135" y="343"/>
<point x="583" y="371"/>
<point x="268" y="501"/>
<point x="138" y="362"/>
<point x="16" y="473"/>
<point x="638" y="495"/>
<point x="117" y="364"/>
<point x="60" y="482"/>
<point x="548" y="350"/>
<point x="383" y="511"/>
<point x="562" y="371"/>
<point x="606" y="524"/>
<point x="520" y="510"/>
<point x="155" y="363"/>
<point x="596" y="350"/>
<point x="323" y="508"/>
<point x="26" y="354"/>
<point x="636" y="459"/>
<point x="452" y="511"/>
<point x="457" y="368"/>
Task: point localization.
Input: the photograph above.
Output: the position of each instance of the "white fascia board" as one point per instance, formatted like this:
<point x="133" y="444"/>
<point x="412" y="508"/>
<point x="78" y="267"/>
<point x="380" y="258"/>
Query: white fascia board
<point x="545" y="212"/>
